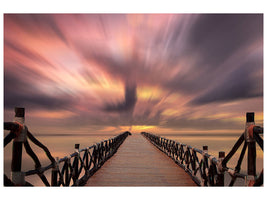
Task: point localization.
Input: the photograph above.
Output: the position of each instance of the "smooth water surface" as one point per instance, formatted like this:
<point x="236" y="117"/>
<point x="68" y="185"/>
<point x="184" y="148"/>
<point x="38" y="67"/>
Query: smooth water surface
<point x="61" y="146"/>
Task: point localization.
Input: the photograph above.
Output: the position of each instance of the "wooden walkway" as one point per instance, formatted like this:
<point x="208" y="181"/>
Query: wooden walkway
<point x="139" y="163"/>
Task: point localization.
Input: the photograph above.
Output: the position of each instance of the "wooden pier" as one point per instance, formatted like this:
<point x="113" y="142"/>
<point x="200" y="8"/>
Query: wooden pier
<point x="139" y="163"/>
<point x="134" y="160"/>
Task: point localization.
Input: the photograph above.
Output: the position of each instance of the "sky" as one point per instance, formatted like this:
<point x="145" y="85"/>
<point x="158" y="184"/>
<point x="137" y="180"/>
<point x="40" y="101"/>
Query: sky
<point x="108" y="73"/>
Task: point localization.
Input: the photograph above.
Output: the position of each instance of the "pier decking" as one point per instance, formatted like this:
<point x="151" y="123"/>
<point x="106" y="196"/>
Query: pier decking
<point x="137" y="160"/>
<point x="139" y="163"/>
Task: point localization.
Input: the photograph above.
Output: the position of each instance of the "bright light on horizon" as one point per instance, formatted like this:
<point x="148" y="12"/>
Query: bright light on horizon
<point x="151" y="72"/>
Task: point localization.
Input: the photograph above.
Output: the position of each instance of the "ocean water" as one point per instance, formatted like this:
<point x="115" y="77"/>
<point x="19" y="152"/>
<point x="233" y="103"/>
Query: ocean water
<point x="63" y="145"/>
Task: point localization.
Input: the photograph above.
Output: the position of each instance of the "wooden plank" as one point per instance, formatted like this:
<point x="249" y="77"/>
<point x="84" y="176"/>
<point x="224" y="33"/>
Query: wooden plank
<point x="139" y="163"/>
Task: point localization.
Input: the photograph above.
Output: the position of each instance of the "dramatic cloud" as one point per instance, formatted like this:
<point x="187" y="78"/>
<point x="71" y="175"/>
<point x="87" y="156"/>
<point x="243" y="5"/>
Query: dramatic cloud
<point x="128" y="103"/>
<point x="239" y="84"/>
<point x="215" y="45"/>
<point x="20" y="92"/>
<point x="117" y="71"/>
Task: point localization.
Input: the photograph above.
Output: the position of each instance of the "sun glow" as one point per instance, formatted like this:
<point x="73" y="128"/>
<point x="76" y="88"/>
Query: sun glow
<point x="151" y="93"/>
<point x="62" y="114"/>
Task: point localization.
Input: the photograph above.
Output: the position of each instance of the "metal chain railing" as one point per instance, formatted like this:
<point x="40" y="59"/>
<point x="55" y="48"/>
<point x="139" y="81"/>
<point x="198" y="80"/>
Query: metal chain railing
<point x="73" y="170"/>
<point x="206" y="170"/>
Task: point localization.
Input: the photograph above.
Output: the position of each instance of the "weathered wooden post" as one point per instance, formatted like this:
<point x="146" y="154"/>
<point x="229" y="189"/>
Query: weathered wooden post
<point x="220" y="178"/>
<point x="99" y="154"/>
<point x="205" y="166"/>
<point x="87" y="160"/>
<point x="108" y="148"/>
<point x="165" y="144"/>
<point x="76" y="164"/>
<point x="205" y="149"/>
<point x="105" y="149"/>
<point x="251" y="165"/>
<point x="54" y="175"/>
<point x="17" y="176"/>
<point x="102" y="153"/>
<point x="112" y="146"/>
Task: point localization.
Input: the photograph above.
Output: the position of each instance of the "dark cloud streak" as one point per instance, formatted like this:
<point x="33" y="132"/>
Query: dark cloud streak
<point x="19" y="92"/>
<point x="212" y="40"/>
<point x="240" y="84"/>
<point x="128" y="103"/>
<point x="38" y="23"/>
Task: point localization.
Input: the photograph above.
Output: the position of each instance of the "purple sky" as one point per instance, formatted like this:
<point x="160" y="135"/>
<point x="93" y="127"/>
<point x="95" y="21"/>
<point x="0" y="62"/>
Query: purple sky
<point x="113" y="72"/>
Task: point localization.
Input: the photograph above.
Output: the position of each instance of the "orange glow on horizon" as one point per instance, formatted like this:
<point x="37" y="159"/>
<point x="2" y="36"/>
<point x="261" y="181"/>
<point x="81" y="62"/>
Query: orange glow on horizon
<point x="63" y="114"/>
<point x="137" y="66"/>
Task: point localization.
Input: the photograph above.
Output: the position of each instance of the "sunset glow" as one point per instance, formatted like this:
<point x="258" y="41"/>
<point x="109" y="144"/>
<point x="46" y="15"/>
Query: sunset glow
<point x="106" y="73"/>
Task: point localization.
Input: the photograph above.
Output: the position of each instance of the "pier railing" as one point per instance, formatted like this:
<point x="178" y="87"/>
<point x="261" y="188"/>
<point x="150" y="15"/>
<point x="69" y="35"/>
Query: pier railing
<point x="72" y="170"/>
<point x="205" y="169"/>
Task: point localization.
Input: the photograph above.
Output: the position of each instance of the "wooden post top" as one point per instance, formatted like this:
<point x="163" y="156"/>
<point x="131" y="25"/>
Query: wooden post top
<point x="19" y="112"/>
<point x="77" y="146"/>
<point x="221" y="154"/>
<point x="250" y="116"/>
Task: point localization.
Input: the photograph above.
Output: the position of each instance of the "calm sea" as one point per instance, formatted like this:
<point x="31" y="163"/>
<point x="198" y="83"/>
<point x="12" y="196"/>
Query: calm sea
<point x="63" y="145"/>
